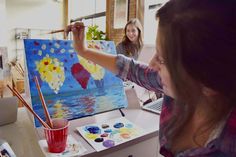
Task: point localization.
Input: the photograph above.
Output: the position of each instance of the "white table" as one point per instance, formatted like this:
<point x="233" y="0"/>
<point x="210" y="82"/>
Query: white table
<point x="23" y="138"/>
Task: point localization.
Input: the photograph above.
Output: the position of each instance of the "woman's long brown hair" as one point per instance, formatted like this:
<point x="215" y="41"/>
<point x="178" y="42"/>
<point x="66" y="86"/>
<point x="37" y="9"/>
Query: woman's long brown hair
<point x="199" y="45"/>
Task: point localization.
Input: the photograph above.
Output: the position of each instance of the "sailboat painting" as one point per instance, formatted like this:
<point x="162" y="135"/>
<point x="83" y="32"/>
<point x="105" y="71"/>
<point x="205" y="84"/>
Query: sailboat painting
<point x="72" y="86"/>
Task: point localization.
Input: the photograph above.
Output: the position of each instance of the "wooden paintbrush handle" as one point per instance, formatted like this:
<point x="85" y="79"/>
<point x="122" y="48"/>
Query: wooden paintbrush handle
<point x="27" y="106"/>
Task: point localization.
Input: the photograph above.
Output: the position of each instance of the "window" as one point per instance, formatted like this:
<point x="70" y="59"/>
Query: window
<point x="90" y="9"/>
<point x="150" y="22"/>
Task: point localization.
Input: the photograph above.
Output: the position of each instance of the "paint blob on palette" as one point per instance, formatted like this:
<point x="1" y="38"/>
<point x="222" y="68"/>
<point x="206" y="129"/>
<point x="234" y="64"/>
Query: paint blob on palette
<point x="102" y="136"/>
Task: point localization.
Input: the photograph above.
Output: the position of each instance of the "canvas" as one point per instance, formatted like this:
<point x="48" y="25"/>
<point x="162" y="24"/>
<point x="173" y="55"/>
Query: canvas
<point x="72" y="86"/>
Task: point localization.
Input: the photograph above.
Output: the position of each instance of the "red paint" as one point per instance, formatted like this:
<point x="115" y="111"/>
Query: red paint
<point x="80" y="74"/>
<point x="36" y="43"/>
<point x="97" y="47"/>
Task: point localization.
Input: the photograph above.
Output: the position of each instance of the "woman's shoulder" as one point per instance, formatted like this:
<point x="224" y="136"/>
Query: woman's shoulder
<point x="120" y="48"/>
<point x="120" y="44"/>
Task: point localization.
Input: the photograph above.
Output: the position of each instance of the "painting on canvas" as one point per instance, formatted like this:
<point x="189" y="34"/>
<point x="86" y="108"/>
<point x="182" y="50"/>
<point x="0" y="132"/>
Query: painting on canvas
<point x="73" y="87"/>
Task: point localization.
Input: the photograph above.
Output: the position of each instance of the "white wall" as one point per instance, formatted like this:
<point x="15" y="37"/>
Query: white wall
<point x="150" y="22"/>
<point x="3" y="23"/>
<point x="34" y="14"/>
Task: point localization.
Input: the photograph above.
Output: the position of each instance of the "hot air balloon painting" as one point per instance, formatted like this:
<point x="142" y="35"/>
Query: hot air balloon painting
<point x="73" y="87"/>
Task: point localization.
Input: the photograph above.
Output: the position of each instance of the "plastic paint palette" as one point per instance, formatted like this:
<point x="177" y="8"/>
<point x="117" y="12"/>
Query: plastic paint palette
<point x="111" y="133"/>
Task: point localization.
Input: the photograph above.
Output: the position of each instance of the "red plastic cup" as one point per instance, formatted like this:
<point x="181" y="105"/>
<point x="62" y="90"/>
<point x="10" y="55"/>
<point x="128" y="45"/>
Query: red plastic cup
<point x="57" y="136"/>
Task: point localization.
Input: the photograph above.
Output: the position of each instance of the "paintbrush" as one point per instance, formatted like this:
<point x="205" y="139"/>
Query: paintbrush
<point x="28" y="106"/>
<point x="47" y="115"/>
<point x="61" y="31"/>
<point x="56" y="31"/>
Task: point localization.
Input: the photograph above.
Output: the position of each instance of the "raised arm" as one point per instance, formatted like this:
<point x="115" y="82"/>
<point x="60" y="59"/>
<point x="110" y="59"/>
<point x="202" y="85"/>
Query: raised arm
<point x="107" y="61"/>
<point x="123" y="67"/>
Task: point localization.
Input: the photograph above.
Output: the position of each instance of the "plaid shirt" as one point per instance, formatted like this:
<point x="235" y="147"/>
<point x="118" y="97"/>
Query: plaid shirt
<point x="223" y="145"/>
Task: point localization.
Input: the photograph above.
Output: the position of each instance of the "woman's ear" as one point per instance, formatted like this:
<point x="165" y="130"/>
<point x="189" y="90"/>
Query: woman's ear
<point x="208" y="91"/>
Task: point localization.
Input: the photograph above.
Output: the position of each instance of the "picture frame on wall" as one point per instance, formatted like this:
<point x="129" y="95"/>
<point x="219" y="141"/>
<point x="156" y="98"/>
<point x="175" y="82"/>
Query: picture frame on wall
<point x="120" y="13"/>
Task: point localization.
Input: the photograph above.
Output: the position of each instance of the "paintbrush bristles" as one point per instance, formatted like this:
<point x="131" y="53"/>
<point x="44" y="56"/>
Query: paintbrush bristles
<point x="17" y="67"/>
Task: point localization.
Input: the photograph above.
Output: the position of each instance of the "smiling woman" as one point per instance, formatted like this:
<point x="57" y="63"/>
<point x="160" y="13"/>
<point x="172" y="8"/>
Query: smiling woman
<point x="132" y="42"/>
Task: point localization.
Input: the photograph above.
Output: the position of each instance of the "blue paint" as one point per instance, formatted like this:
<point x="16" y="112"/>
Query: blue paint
<point x="108" y="130"/>
<point x="93" y="129"/>
<point x="118" y="125"/>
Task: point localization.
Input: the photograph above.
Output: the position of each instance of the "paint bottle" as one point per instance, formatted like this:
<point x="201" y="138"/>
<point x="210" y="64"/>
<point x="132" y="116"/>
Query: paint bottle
<point x="5" y="149"/>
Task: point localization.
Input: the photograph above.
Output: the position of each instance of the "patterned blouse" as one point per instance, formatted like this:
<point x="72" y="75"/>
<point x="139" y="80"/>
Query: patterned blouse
<point x="222" y="141"/>
<point x="120" y="49"/>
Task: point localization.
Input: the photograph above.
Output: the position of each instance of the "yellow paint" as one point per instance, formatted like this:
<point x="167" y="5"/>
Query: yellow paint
<point x="51" y="70"/>
<point x="91" y="136"/>
<point x="96" y="71"/>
